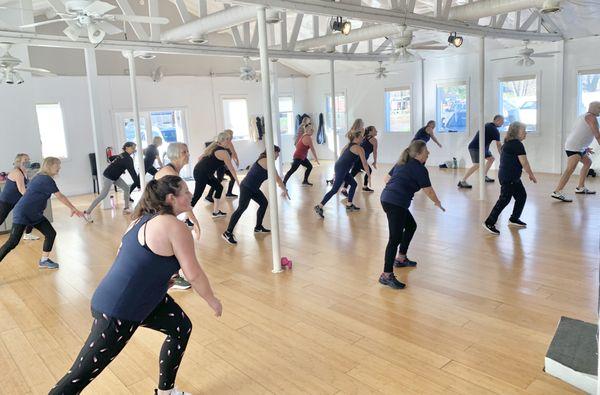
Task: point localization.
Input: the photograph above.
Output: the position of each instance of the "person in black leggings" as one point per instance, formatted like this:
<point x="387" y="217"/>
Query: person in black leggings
<point x="250" y="190"/>
<point x="29" y="211"/>
<point x="300" y="156"/>
<point x="351" y="152"/>
<point x="215" y="156"/>
<point x="151" y="154"/>
<point x="407" y="177"/>
<point x="224" y="171"/>
<point x="134" y="291"/>
<point x="14" y="189"/>
<point x="369" y="144"/>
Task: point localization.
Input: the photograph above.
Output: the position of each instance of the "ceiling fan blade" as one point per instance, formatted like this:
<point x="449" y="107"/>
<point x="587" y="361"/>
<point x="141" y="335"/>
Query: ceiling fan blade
<point x="508" y="57"/>
<point x="429" y="47"/>
<point x="536" y="55"/>
<point x="45" y="22"/>
<point x="108" y="28"/>
<point x="361" y="74"/>
<point x="137" y="18"/>
<point x="74" y="31"/>
<point x="37" y="71"/>
<point x="545" y="53"/>
<point x="430" y="42"/>
<point x="98" y="8"/>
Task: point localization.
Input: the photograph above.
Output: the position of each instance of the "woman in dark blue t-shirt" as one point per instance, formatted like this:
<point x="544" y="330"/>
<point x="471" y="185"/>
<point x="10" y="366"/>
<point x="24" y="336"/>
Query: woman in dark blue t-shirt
<point x="513" y="160"/>
<point x="407" y="177"/>
<point x="29" y="211"/>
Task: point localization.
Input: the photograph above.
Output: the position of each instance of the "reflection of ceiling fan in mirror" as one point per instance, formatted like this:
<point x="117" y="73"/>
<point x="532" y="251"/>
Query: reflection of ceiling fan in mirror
<point x="91" y="18"/>
<point x="380" y="72"/>
<point x="525" y="55"/>
<point x="10" y="67"/>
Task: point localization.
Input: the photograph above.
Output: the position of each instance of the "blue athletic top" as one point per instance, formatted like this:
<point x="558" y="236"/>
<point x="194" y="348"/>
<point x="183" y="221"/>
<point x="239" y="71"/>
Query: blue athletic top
<point x="137" y="281"/>
<point x="491" y="134"/>
<point x="405" y="181"/>
<point x="255" y="177"/>
<point x="345" y="161"/>
<point x="367" y="146"/>
<point x="30" y="208"/>
<point x="10" y="194"/>
<point x="422" y="135"/>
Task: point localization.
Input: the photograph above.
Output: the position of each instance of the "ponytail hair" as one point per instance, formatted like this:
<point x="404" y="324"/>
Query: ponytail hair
<point x="128" y="145"/>
<point x="352" y="134"/>
<point x="264" y="153"/>
<point x="221" y="138"/>
<point x="154" y="198"/>
<point x="358" y="125"/>
<point x="414" y="149"/>
<point x="513" y="131"/>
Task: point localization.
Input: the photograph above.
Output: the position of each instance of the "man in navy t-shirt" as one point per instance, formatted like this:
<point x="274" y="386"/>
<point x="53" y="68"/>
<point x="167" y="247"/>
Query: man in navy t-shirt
<point x="491" y="134"/>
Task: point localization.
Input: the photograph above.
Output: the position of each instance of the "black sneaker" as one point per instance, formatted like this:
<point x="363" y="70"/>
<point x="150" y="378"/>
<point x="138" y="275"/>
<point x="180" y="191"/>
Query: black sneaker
<point x="367" y="189"/>
<point x="319" y="211"/>
<point x="491" y="228"/>
<point x="404" y="263"/>
<point x="488" y="179"/>
<point x="131" y="200"/>
<point x="189" y="223"/>
<point x="209" y="198"/>
<point x="228" y="237"/>
<point x="261" y="229"/>
<point x="352" y="207"/>
<point x="516" y="222"/>
<point x="464" y="184"/>
<point x="307" y="184"/>
<point x="231" y="196"/>
<point x="219" y="214"/>
<point x="391" y="281"/>
<point x="344" y="192"/>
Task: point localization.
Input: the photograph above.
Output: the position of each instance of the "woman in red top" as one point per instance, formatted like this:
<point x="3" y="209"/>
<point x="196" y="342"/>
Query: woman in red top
<point x="303" y="144"/>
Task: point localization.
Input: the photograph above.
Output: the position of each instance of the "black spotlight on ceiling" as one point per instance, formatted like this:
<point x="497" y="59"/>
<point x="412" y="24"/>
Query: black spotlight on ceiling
<point x="339" y="25"/>
<point x="454" y="39"/>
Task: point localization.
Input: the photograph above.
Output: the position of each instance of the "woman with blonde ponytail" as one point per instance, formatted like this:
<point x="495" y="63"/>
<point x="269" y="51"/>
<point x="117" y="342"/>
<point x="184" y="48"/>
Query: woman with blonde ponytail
<point x="351" y="152"/>
<point x="14" y="189"/>
<point x="406" y="178"/>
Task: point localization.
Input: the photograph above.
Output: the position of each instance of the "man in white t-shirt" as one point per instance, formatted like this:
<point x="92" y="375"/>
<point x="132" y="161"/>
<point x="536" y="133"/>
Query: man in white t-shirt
<point x="577" y="147"/>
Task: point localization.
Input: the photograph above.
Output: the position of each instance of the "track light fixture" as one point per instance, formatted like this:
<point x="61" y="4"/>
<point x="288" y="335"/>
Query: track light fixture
<point x="339" y="25"/>
<point x="454" y="39"/>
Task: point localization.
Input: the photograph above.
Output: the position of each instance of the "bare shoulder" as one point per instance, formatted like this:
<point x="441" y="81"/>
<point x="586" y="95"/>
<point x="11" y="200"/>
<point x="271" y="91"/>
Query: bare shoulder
<point x="165" y="171"/>
<point x="15" y="175"/>
<point x="263" y="163"/>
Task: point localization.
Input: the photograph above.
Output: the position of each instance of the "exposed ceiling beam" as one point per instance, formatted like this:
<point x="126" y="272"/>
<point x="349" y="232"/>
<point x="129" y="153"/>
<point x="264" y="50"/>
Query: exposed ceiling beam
<point x="184" y="13"/>
<point x="379" y="15"/>
<point x="528" y="22"/>
<point x="353" y="48"/>
<point x="549" y="24"/>
<point x="237" y="38"/>
<point x="138" y="29"/>
<point x="383" y="46"/>
<point x="295" y="31"/>
<point x="315" y="26"/>
<point x="500" y="21"/>
<point x="153" y="12"/>
<point x="202" y="8"/>
<point x="254" y="40"/>
<point x="283" y="30"/>
<point x="246" y="28"/>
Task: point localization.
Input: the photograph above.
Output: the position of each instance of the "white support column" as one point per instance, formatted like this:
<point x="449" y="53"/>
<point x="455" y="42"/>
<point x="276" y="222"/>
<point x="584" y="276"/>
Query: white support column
<point x="92" y="82"/>
<point x="333" y="120"/>
<point x="422" y="61"/>
<point x="136" y="117"/>
<point x="481" y="120"/>
<point x="275" y="108"/>
<point x="263" y="46"/>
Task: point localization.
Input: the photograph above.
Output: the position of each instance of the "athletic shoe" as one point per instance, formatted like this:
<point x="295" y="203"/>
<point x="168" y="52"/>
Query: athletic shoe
<point x="307" y="184"/>
<point x="88" y="217"/>
<point x="491" y="228"/>
<point x="47" y="264"/>
<point x="391" y="281"/>
<point x="404" y="263"/>
<point x="344" y="192"/>
<point x="464" y="184"/>
<point x="181" y="283"/>
<point x="561" y="197"/>
<point x="30" y="236"/>
<point x="367" y="189"/>
<point x="352" y="207"/>
<point x="127" y="211"/>
<point x="319" y="211"/>
<point x="219" y="214"/>
<point x="228" y="237"/>
<point x="516" y="222"/>
<point x="174" y="391"/>
<point x="261" y="229"/>
<point x="209" y="198"/>
<point x="487" y="179"/>
<point x="584" y="191"/>
<point x="189" y="223"/>
<point x="231" y="196"/>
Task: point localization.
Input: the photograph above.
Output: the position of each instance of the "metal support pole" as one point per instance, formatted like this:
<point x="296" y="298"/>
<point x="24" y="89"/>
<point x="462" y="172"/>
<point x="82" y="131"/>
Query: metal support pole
<point x="333" y="115"/>
<point x="422" y="91"/>
<point x="266" y="90"/>
<point x="275" y="108"/>
<point x="91" y="72"/>
<point x="482" y="120"/>
<point x="136" y="117"/>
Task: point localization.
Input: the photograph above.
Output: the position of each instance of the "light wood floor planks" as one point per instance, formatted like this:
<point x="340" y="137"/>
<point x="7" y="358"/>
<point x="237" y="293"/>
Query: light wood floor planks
<point x="476" y="318"/>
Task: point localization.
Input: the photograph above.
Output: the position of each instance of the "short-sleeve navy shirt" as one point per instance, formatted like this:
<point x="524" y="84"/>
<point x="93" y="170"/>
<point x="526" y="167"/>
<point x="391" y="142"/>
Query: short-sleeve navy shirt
<point x="491" y="134"/>
<point x="30" y="208"/>
<point x="405" y="181"/>
<point x="510" y="166"/>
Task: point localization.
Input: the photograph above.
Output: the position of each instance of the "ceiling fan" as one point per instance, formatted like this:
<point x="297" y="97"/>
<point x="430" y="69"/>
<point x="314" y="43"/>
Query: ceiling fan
<point x="402" y="42"/>
<point x="525" y="55"/>
<point x="246" y="73"/>
<point x="380" y="72"/>
<point x="86" y="16"/>
<point x="10" y="67"/>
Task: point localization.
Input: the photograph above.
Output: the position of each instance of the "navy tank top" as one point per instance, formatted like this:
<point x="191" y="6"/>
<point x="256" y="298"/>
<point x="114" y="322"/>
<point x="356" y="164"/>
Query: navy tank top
<point x="345" y="161"/>
<point x="255" y="177"/>
<point x="422" y="135"/>
<point x="209" y="164"/>
<point x="10" y="194"/>
<point x="137" y="281"/>
<point x="367" y="146"/>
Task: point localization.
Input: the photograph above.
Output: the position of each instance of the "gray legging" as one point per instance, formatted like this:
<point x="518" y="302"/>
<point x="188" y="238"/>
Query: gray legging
<point x="107" y="184"/>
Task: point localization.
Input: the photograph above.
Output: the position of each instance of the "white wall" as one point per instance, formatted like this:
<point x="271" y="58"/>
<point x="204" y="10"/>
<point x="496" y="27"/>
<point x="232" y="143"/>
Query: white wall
<point x="190" y="94"/>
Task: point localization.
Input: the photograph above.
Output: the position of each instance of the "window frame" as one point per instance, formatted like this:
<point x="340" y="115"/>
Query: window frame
<point x="235" y="97"/>
<point x="409" y="88"/>
<point x="538" y="96"/>
<point x="337" y="94"/>
<point x="65" y="133"/>
<point x="583" y="71"/>
<point x="285" y="96"/>
<point x="449" y="84"/>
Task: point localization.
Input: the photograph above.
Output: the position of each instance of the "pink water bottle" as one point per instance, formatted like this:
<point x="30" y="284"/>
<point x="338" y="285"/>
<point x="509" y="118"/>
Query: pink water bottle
<point x="286" y="263"/>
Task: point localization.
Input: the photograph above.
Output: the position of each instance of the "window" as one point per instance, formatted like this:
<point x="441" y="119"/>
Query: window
<point x="517" y="98"/>
<point x="286" y="115"/>
<point x="340" y="112"/>
<point x="235" y="117"/>
<point x="397" y="110"/>
<point x="451" y="107"/>
<point x="588" y="90"/>
<point x="52" y="130"/>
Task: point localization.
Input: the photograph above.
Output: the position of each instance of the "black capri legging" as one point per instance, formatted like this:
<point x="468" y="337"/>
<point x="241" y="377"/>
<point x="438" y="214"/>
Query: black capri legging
<point x="201" y="181"/>
<point x="221" y="173"/>
<point x="402" y="227"/>
<point x="17" y="232"/>
<point x="357" y="169"/>
<point x="5" y="209"/>
<point x="110" y="335"/>
<point x="295" y="165"/>
<point x="247" y="194"/>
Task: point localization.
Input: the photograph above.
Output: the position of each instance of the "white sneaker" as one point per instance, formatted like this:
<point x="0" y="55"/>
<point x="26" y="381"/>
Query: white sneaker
<point x="175" y="391"/>
<point x="88" y="218"/>
<point x="561" y="197"/>
<point x="30" y="236"/>
<point x="584" y="191"/>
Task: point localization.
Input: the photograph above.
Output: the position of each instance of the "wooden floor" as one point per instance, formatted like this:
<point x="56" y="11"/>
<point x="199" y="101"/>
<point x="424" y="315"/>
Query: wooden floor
<point x="477" y="316"/>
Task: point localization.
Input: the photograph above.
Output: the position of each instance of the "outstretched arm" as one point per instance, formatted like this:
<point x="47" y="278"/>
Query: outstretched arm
<point x="375" y="145"/>
<point x="435" y="139"/>
<point x="64" y="200"/>
<point x="433" y="197"/>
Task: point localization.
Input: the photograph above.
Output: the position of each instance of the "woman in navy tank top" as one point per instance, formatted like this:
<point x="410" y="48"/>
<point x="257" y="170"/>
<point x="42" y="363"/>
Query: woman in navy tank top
<point x="14" y="189"/>
<point x="370" y="145"/>
<point x="134" y="291"/>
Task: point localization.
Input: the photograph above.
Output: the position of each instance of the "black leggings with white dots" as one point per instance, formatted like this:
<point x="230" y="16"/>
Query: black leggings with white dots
<point x="110" y="335"/>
